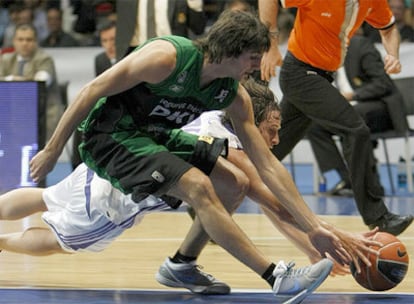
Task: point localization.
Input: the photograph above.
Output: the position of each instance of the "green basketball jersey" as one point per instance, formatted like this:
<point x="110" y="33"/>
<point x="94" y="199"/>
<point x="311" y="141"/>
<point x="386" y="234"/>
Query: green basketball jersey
<point x="170" y="104"/>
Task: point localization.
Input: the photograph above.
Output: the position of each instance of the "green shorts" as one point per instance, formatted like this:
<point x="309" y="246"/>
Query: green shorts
<point x="137" y="163"/>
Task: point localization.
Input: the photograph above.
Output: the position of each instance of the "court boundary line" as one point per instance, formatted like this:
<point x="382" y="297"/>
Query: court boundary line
<point x="234" y="290"/>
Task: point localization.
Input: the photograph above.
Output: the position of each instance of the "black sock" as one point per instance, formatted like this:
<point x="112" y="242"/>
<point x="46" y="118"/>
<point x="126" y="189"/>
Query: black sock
<point x="268" y="275"/>
<point x="179" y="258"/>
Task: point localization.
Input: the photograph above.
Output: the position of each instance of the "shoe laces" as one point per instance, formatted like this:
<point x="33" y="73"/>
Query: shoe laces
<point x="283" y="271"/>
<point x="199" y="268"/>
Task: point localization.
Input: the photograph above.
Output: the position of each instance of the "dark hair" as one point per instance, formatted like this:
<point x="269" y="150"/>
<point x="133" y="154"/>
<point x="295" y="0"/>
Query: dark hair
<point x="106" y="25"/>
<point x="233" y="33"/>
<point x="57" y="9"/>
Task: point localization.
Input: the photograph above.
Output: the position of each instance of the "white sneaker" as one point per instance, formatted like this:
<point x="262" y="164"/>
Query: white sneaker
<point x="300" y="282"/>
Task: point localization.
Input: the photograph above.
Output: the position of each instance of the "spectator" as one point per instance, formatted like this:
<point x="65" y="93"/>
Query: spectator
<point x="18" y="14"/>
<point x="39" y="18"/>
<point x="375" y="98"/>
<point x="176" y="17"/>
<point x="28" y="62"/>
<point x="57" y="37"/>
<point x="107" y="58"/>
<point x="4" y="20"/>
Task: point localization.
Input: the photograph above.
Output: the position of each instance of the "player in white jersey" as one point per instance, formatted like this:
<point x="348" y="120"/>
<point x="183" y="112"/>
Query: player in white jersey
<point x="84" y="213"/>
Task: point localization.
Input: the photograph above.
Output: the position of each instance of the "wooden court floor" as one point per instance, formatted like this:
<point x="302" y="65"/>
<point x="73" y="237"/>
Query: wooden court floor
<point x="124" y="273"/>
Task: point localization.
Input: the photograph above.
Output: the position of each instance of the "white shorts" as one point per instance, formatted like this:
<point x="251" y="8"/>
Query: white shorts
<point x="209" y="123"/>
<point x="87" y="214"/>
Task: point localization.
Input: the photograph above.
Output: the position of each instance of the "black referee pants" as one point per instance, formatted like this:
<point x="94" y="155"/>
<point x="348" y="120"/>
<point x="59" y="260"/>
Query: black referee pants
<point x="309" y="96"/>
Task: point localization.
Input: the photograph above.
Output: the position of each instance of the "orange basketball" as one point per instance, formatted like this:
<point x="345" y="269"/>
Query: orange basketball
<point x="388" y="269"/>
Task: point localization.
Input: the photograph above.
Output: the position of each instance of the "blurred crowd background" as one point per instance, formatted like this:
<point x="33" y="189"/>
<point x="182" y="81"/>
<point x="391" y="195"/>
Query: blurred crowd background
<point x="81" y="19"/>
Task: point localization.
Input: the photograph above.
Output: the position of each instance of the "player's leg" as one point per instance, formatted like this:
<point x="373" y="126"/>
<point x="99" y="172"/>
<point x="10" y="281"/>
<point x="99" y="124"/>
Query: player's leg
<point x="215" y="219"/>
<point x="181" y="269"/>
<point x="36" y="241"/>
<point x="18" y="204"/>
<point x="224" y="231"/>
<point x="230" y="185"/>
<point x="22" y="202"/>
<point x="229" y="182"/>
<point x="197" y="189"/>
<point x="178" y="169"/>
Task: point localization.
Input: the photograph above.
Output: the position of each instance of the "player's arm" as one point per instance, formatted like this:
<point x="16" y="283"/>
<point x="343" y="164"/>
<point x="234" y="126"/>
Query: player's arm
<point x="153" y="63"/>
<point x="268" y="11"/>
<point x="341" y="246"/>
<point x="278" y="180"/>
<point x="391" y="40"/>
<point x="273" y="173"/>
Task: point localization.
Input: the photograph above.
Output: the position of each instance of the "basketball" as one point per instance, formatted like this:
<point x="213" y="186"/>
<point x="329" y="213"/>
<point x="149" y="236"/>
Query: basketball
<point x="388" y="269"/>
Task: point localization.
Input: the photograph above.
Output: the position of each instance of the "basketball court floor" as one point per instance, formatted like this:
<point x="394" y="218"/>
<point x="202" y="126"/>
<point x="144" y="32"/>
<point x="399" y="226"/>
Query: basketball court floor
<point x="72" y="296"/>
<point x="124" y="273"/>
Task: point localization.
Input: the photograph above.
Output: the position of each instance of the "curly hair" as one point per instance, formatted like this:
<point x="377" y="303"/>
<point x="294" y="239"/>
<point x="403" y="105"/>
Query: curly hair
<point x="263" y="101"/>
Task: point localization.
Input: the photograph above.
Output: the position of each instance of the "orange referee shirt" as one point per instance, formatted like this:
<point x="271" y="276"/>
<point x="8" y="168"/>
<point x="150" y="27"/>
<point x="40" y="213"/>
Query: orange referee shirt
<point x="323" y="27"/>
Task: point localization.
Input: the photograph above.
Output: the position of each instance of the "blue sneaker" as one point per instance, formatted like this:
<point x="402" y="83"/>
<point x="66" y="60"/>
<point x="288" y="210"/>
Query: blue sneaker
<point x="301" y="282"/>
<point x="189" y="275"/>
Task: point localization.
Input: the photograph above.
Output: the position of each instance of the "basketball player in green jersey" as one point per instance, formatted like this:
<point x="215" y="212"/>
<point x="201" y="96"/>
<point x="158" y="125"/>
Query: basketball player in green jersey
<point x="136" y="146"/>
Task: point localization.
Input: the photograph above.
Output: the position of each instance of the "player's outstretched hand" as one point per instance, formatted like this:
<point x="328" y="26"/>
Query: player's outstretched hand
<point x="328" y="244"/>
<point x="41" y="164"/>
<point x="358" y="245"/>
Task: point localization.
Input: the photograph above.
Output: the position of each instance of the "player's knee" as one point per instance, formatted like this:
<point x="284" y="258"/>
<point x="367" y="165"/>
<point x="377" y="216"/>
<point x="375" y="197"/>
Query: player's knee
<point x="202" y="189"/>
<point x="232" y="189"/>
<point x="229" y="192"/>
<point x="240" y="186"/>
